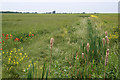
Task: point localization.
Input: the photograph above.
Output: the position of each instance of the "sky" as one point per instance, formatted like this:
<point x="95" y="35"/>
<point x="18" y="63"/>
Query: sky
<point x="60" y="6"/>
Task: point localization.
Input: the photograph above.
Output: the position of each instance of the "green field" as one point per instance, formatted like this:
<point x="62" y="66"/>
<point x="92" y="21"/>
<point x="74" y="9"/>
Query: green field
<point x="26" y="51"/>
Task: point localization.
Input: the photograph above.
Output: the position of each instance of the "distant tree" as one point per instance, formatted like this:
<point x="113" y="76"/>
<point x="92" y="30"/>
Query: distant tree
<point x="35" y="12"/>
<point x="83" y="12"/>
<point x="54" y="12"/>
<point x="95" y="13"/>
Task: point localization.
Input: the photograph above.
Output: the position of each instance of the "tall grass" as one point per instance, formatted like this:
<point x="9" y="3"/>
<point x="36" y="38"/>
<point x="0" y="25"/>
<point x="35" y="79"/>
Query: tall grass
<point x="40" y="75"/>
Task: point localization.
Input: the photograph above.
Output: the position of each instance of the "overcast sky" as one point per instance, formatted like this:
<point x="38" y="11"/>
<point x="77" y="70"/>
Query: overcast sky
<point x="60" y="6"/>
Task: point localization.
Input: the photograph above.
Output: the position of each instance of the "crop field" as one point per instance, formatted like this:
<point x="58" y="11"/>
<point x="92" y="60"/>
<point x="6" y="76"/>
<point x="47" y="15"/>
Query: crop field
<point x="59" y="46"/>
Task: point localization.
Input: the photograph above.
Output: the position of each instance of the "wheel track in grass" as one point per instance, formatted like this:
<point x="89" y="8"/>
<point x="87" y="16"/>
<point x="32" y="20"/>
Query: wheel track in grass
<point x="42" y="44"/>
<point x="41" y="48"/>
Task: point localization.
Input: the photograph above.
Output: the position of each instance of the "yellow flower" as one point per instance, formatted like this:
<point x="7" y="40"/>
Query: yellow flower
<point x="7" y="52"/>
<point x="26" y="56"/>
<point x="93" y="16"/>
<point x="3" y="52"/>
<point x="14" y="48"/>
<point x="11" y="51"/>
<point x="29" y="66"/>
<point x="9" y="59"/>
<point x="21" y="47"/>
<point x="22" y="58"/>
<point x="25" y="53"/>
<point x="18" y="49"/>
<point x="20" y="53"/>
<point x="40" y="67"/>
<point x="30" y="33"/>
<point x="17" y="62"/>
<point x="14" y="62"/>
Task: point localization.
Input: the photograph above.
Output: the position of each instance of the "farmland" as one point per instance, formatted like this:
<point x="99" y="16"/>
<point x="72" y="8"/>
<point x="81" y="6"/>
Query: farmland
<point x="78" y="48"/>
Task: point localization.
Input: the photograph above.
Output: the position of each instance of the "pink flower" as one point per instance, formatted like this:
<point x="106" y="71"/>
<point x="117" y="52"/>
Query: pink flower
<point x="103" y="41"/>
<point x="106" y="59"/>
<point x="88" y="47"/>
<point x="107" y="39"/>
<point x="82" y="55"/>
<point x="106" y="33"/>
<point x="51" y="42"/>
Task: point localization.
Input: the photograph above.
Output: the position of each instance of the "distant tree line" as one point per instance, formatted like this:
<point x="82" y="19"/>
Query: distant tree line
<point x="53" y="12"/>
<point x="18" y="12"/>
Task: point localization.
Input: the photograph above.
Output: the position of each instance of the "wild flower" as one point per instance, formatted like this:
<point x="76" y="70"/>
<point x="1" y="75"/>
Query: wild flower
<point x="51" y="42"/>
<point x="20" y="53"/>
<point x="88" y="47"/>
<point x="93" y="16"/>
<point x="17" y="39"/>
<point x="3" y="52"/>
<point x="10" y="36"/>
<point x="2" y="34"/>
<point x="82" y="55"/>
<point x="103" y="41"/>
<point x="18" y="49"/>
<point x="7" y="35"/>
<point x="32" y="34"/>
<point x="0" y="42"/>
<point x="106" y="33"/>
<point x="106" y="59"/>
<point x="107" y="39"/>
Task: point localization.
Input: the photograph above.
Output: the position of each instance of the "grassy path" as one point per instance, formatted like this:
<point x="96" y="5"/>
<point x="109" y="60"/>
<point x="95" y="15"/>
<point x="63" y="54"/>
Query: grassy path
<point x="69" y="41"/>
